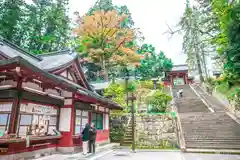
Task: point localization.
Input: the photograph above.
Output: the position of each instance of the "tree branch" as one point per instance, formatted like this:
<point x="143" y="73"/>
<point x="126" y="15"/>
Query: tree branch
<point x="170" y="31"/>
<point x="119" y="45"/>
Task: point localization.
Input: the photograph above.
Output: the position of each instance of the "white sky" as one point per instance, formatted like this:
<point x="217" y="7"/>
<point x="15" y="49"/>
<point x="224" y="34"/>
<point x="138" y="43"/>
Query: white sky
<point x="151" y="17"/>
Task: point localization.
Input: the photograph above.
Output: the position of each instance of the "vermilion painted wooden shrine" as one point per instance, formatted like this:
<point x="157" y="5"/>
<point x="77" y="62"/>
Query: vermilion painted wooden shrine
<point x="178" y="76"/>
<point x="41" y="95"/>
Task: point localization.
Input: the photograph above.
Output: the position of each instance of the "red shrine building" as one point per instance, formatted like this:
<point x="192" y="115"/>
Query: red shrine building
<point x="45" y="102"/>
<point x="178" y="76"/>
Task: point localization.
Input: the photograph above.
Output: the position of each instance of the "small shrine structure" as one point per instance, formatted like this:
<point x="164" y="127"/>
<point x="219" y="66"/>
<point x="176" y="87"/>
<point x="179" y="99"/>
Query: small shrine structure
<point x="178" y="76"/>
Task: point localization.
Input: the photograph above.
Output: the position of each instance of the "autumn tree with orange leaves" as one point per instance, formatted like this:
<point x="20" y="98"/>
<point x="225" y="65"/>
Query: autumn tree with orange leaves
<point x="104" y="41"/>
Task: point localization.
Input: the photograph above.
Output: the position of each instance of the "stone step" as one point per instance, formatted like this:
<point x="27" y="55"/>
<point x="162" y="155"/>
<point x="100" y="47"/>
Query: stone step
<point x="127" y="142"/>
<point x="211" y="137"/>
<point x="217" y="130"/>
<point x="126" y="139"/>
<point x="225" y="120"/>
<point x="207" y="134"/>
<point x="207" y="122"/>
<point x="223" y="134"/>
<point x="188" y="104"/>
<point x="205" y="115"/>
<point x="213" y="146"/>
<point x="213" y="141"/>
<point x="207" y="130"/>
<point x="210" y="127"/>
<point x="128" y="135"/>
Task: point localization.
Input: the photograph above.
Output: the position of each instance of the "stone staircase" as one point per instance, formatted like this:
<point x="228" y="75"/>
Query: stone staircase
<point x="189" y="102"/>
<point x="127" y="139"/>
<point x="210" y="131"/>
<point x="202" y="129"/>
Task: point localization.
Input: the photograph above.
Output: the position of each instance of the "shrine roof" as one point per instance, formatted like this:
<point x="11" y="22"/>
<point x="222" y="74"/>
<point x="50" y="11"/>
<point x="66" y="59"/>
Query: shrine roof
<point x="47" y="61"/>
<point x="20" y="61"/>
<point x="181" y="67"/>
<point x="57" y="60"/>
<point x="100" y="86"/>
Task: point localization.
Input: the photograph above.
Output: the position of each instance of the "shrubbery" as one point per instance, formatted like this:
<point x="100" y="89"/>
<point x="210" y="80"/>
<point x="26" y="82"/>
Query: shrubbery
<point x="158" y="102"/>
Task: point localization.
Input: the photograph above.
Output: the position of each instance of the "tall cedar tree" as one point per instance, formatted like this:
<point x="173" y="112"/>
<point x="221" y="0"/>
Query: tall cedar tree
<point x="107" y="5"/>
<point x="50" y="26"/>
<point x="10" y="15"/>
<point x="41" y="26"/>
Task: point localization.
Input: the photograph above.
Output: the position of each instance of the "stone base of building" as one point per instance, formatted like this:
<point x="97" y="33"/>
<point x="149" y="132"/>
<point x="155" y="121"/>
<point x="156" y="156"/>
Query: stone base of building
<point x="48" y="151"/>
<point x="30" y="154"/>
<point x="103" y="142"/>
<point x="69" y="150"/>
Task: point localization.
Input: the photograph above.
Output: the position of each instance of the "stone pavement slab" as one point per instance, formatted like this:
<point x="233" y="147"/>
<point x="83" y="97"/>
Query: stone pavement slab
<point x="144" y="155"/>
<point x="100" y="151"/>
<point x="168" y="156"/>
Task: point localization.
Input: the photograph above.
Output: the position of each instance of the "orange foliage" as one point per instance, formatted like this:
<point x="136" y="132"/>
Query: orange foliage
<point x="107" y="40"/>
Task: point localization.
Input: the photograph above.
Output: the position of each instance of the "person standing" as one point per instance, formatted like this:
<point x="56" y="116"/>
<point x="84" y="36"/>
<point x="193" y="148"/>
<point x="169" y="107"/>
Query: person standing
<point x="85" y="138"/>
<point x="92" y="138"/>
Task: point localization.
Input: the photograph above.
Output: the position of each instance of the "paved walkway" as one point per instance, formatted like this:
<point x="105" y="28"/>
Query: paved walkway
<point x="146" y="155"/>
<point x="168" y="156"/>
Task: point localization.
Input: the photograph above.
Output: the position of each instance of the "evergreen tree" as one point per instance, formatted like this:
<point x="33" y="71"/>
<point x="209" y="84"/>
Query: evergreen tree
<point x="107" y="5"/>
<point x="11" y="12"/>
<point x="42" y="26"/>
<point x="57" y="27"/>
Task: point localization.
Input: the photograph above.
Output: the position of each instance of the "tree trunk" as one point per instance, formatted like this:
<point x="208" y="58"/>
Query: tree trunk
<point x="104" y="69"/>
<point x="199" y="67"/>
<point x="204" y="61"/>
<point x="205" y="66"/>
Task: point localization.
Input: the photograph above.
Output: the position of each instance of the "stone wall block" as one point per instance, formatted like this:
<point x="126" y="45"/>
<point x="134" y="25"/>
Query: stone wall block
<point x="153" y="129"/>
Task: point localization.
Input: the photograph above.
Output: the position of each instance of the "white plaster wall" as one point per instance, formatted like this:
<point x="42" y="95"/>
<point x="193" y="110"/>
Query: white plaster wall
<point x="9" y="82"/>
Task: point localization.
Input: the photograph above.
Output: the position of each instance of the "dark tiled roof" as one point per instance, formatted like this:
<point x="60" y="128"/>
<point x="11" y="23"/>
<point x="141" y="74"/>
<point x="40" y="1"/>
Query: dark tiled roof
<point x="22" y="51"/>
<point x="181" y="67"/>
<point x="59" y="80"/>
<point x="48" y="61"/>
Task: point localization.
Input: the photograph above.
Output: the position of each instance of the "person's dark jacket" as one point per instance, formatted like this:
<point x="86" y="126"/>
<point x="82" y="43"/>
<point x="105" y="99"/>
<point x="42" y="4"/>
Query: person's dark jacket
<point x="92" y="133"/>
<point x="85" y="134"/>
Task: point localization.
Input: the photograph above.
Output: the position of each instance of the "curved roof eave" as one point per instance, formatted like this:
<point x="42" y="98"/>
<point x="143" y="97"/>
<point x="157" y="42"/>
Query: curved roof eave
<point x="62" y="66"/>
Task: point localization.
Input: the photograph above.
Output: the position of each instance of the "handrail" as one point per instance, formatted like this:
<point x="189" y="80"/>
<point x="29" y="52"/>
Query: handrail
<point x="178" y="123"/>
<point x="203" y="99"/>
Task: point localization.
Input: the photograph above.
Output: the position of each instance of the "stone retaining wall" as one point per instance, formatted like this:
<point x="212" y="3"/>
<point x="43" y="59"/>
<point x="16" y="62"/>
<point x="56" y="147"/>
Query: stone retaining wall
<point x="153" y="130"/>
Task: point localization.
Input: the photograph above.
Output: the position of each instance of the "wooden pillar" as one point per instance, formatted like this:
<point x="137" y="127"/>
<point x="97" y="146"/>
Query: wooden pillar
<point x="15" y="109"/>
<point x="89" y="117"/>
<point x="171" y="80"/>
<point x="185" y="79"/>
<point x="66" y="126"/>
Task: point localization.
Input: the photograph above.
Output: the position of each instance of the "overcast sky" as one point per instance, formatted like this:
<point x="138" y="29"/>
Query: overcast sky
<point x="151" y="17"/>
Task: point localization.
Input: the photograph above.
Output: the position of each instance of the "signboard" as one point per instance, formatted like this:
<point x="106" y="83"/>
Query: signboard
<point x="102" y="109"/>
<point x="37" y="109"/>
<point x="5" y="106"/>
<point x="3" y="150"/>
<point x="107" y="110"/>
<point x="65" y="119"/>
